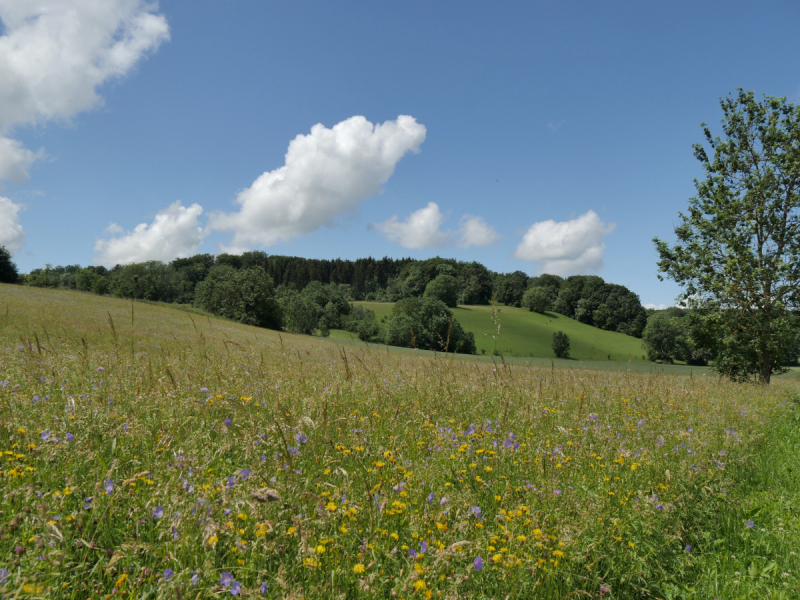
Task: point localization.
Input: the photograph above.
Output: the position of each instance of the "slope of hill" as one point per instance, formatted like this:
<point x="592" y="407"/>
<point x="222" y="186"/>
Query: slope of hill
<point x="524" y="333"/>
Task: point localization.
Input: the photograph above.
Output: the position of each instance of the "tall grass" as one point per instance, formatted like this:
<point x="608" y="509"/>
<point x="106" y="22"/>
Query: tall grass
<point x="172" y="455"/>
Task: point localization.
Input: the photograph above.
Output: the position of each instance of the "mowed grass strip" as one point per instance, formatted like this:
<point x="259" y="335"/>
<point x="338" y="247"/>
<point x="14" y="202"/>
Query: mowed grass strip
<point x="167" y="456"/>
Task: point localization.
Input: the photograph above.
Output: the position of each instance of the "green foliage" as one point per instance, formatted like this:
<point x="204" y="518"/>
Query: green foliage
<point x="537" y="299"/>
<point x="246" y="296"/>
<point x="509" y="289"/>
<point x="738" y="250"/>
<point x="445" y="288"/>
<point x="8" y="269"/>
<point x="663" y="339"/>
<point x="560" y="344"/>
<point x="427" y="323"/>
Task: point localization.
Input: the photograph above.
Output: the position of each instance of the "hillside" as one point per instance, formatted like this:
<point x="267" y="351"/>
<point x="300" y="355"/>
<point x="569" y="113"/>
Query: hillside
<point x="525" y="334"/>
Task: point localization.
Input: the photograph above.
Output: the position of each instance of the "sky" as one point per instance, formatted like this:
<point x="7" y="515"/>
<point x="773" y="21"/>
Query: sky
<point x="536" y="136"/>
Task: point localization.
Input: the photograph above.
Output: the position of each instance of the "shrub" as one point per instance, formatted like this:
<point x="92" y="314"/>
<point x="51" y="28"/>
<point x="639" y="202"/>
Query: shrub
<point x="561" y="344"/>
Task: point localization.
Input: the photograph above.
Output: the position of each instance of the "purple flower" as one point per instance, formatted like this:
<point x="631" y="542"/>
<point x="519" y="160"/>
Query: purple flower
<point x="749" y="523"/>
<point x="195" y="579"/>
<point x="99" y="369"/>
<point x="227" y="422"/>
<point x="226" y="579"/>
<point x="443" y="501"/>
<point x="45" y="434"/>
<point x="174" y="534"/>
<point x="557" y="492"/>
<point x="412" y="553"/>
<point x="431" y="497"/>
<point x="423" y="547"/>
<point x="70" y="437"/>
<point x="478" y="563"/>
<point x="109" y="486"/>
<point x="659" y="507"/>
<point x="158" y="512"/>
<point x="236" y="588"/>
<point x="168" y="574"/>
<point x="3" y="575"/>
<point x="301" y="438"/>
<point x="264" y="588"/>
<point x="475" y="510"/>
<point x="244" y="473"/>
<point x="204" y="389"/>
<point x="688" y="548"/>
<point x="294" y="450"/>
<point x="231" y="482"/>
<point x="399" y="487"/>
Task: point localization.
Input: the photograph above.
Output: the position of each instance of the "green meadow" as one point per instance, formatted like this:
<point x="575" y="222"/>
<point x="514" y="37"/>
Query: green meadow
<point x="528" y="334"/>
<point x="149" y="452"/>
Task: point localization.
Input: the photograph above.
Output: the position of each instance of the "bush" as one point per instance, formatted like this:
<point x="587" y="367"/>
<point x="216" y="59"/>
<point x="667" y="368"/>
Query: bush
<point x="561" y="344"/>
<point x="537" y="299"/>
<point x="663" y="339"/>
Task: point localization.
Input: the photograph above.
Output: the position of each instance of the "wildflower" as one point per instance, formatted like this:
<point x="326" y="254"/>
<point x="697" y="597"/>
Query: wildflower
<point x="227" y="421"/>
<point x="557" y="492"/>
<point x="443" y="501"/>
<point x="158" y="512"/>
<point x="294" y="450"/>
<point x="475" y="511"/>
<point x="419" y="585"/>
<point x="236" y="588"/>
<point x="168" y="574"/>
<point x="226" y="579"/>
<point x="195" y="579"/>
<point x="109" y="486"/>
<point x="412" y="553"/>
<point x="423" y="547"/>
<point x="359" y="568"/>
<point x="204" y="389"/>
<point x="70" y="437"/>
<point x="497" y="558"/>
<point x="478" y="563"/>
<point x="688" y="548"/>
<point x="749" y="524"/>
<point x="3" y="575"/>
<point x="231" y="482"/>
<point x="244" y="474"/>
<point x="264" y="588"/>
<point x="45" y="435"/>
<point x="301" y="438"/>
<point x="431" y="497"/>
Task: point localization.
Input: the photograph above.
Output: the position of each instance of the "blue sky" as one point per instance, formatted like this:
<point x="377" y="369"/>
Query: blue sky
<point x="549" y="136"/>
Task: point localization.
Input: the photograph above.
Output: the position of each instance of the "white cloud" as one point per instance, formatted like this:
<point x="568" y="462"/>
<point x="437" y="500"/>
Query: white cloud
<point x="327" y="173"/>
<point x="419" y="230"/>
<point x="475" y="231"/>
<point x="657" y="306"/>
<point x="567" y="247"/>
<point x="11" y="234"/>
<point x="174" y="233"/>
<point x="55" y="54"/>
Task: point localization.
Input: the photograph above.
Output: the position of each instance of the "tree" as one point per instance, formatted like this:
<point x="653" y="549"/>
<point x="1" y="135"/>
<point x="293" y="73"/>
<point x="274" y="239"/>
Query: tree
<point x="246" y="295"/>
<point x="560" y="344"/>
<point x="537" y="299"/>
<point x="8" y="270"/>
<point x="445" y="288"/>
<point x="428" y="324"/>
<point x="737" y="254"/>
<point x="662" y="339"/>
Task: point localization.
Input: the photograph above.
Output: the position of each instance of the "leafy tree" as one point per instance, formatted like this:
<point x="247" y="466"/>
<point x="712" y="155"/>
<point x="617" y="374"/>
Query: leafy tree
<point x="428" y="324"/>
<point x="603" y="318"/>
<point x="737" y="254"/>
<point x="509" y="289"/>
<point x="245" y="295"/>
<point x="445" y="288"/>
<point x="537" y="299"/>
<point x="663" y="339"/>
<point x="560" y="344"/>
<point x="8" y="270"/>
<point x="301" y="314"/>
<point x="475" y="283"/>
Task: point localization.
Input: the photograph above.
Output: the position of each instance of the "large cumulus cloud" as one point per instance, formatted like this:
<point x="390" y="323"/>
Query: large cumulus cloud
<point x="327" y="173"/>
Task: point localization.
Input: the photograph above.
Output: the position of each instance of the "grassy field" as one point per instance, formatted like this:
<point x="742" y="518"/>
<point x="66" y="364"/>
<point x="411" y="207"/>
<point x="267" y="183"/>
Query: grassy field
<point x="527" y="334"/>
<point x="151" y="453"/>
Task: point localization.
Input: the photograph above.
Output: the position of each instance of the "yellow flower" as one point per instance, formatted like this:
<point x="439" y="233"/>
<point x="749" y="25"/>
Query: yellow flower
<point x="497" y="558"/>
<point x="521" y="538"/>
<point x="320" y="549"/>
<point x="419" y="585"/>
<point x="121" y="580"/>
<point x="630" y="544"/>
<point x="212" y="541"/>
<point x="359" y="568"/>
